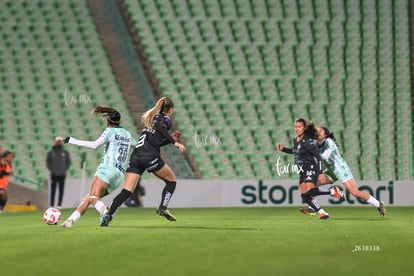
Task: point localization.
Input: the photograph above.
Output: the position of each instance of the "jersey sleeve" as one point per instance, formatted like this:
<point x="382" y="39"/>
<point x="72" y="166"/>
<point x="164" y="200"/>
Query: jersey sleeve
<point x="92" y="144"/>
<point x="329" y="149"/>
<point x="289" y="150"/>
<point x="163" y="127"/>
<point x="164" y="132"/>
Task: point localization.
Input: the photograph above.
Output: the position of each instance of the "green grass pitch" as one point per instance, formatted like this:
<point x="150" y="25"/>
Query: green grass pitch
<point x="224" y="241"/>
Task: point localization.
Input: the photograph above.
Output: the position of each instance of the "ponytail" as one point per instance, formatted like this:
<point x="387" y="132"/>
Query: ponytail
<point x="112" y="115"/>
<point x="311" y="130"/>
<point x="163" y="105"/>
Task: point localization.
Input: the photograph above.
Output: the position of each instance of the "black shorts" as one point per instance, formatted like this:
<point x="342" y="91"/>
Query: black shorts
<point x="309" y="174"/>
<point x="139" y="163"/>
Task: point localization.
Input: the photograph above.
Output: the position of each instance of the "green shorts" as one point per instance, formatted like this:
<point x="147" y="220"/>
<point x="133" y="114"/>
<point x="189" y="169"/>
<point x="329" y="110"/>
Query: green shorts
<point x="110" y="176"/>
<point x="342" y="175"/>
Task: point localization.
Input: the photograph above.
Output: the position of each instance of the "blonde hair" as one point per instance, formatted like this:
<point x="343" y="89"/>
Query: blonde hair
<point x="162" y="105"/>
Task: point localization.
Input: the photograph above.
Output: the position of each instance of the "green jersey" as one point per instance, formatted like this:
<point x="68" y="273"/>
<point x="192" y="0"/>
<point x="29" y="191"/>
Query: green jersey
<point x="117" y="142"/>
<point x="333" y="160"/>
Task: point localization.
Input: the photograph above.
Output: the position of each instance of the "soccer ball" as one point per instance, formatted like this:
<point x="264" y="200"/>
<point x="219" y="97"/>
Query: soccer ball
<point x="52" y="216"/>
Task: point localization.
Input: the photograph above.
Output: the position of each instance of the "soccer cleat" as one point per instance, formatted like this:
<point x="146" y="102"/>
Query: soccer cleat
<point x="324" y="216"/>
<point x="307" y="211"/>
<point x="381" y="209"/>
<point x="337" y="192"/>
<point x="105" y="219"/>
<point x="165" y="213"/>
<point x="67" y="224"/>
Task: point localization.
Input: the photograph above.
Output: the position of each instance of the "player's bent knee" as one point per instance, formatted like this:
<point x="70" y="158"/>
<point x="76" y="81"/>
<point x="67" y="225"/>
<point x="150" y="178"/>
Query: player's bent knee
<point x="89" y="199"/>
<point x="170" y="179"/>
<point x="171" y="184"/>
<point x="304" y="196"/>
<point x="93" y="199"/>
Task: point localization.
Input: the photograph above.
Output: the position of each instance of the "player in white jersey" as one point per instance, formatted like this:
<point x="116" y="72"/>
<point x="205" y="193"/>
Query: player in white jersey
<point x="111" y="172"/>
<point x="338" y="169"/>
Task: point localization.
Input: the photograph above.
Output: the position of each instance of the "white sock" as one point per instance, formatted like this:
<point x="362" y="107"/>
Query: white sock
<point x="323" y="189"/>
<point x="373" y="201"/>
<point x="75" y="216"/>
<point x="100" y="207"/>
<point x="322" y="211"/>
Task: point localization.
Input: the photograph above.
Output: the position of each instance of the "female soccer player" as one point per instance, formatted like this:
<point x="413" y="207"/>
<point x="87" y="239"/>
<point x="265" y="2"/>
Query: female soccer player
<point x="338" y="169"/>
<point x="308" y="161"/>
<point x="5" y="171"/>
<point x="110" y="173"/>
<point x="146" y="157"/>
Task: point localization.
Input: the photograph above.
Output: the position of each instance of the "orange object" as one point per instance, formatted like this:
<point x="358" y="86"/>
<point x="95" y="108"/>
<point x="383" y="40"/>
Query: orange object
<point x="4" y="181"/>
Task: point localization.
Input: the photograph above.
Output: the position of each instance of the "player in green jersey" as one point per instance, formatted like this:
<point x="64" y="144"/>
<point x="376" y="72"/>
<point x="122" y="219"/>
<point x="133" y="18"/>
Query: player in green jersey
<point x="111" y="172"/>
<point x="338" y="169"/>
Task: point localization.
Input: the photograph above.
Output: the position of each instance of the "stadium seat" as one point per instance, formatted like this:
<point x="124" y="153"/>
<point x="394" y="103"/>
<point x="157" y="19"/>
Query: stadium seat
<point x="35" y="88"/>
<point x="249" y="68"/>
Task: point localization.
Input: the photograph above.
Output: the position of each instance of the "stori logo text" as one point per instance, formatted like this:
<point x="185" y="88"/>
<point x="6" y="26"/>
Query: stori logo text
<point x="278" y="194"/>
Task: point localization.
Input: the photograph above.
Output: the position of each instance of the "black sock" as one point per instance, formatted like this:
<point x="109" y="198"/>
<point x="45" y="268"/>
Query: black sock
<point x="317" y="191"/>
<point x="308" y="199"/>
<point x="167" y="194"/>
<point x="2" y="203"/>
<point x="118" y="200"/>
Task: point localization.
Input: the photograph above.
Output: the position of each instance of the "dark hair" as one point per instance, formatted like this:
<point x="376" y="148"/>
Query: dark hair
<point x="329" y="134"/>
<point x="114" y="118"/>
<point x="112" y="115"/>
<point x="303" y="121"/>
<point x="6" y="153"/>
<point x="310" y="129"/>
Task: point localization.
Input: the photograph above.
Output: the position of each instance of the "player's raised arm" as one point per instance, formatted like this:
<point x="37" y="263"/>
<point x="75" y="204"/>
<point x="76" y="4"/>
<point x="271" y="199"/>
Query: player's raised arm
<point x="88" y="144"/>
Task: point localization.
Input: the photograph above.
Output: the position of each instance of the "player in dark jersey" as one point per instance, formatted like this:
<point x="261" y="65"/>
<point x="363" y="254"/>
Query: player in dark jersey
<point x="146" y="157"/>
<point x="309" y="162"/>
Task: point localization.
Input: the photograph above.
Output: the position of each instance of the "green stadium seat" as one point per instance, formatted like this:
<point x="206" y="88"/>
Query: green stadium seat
<point x="303" y="51"/>
<point x="39" y="83"/>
